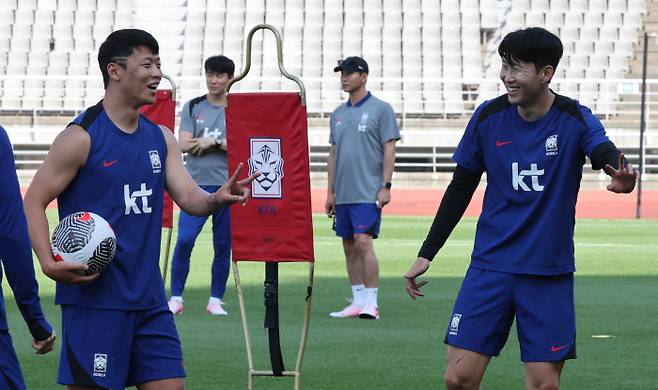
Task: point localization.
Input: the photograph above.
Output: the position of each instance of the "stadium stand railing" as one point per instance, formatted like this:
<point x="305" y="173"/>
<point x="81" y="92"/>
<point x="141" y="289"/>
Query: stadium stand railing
<point x="608" y="98"/>
<point x="417" y="159"/>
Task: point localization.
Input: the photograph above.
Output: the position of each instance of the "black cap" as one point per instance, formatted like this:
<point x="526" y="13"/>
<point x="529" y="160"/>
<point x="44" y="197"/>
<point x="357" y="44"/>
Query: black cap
<point x="352" y="64"/>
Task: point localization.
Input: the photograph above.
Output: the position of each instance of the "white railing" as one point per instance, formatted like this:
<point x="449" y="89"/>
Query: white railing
<point x="410" y="97"/>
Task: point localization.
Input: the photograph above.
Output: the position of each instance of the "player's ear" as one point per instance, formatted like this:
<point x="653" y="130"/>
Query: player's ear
<point x="547" y="73"/>
<point x="113" y="71"/>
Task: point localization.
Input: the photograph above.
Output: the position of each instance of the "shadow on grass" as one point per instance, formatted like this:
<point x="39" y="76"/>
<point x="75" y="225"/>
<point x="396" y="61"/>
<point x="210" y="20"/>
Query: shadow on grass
<point x="403" y="350"/>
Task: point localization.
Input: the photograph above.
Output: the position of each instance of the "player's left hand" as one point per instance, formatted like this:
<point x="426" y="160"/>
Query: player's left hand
<point x="383" y="197"/>
<point x="622" y="179"/>
<point x="418" y="268"/>
<point x="234" y="190"/>
<point x="44" y="346"/>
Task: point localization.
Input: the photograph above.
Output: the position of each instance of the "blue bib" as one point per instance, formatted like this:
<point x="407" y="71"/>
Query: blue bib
<point x="533" y="177"/>
<point x="123" y="181"/>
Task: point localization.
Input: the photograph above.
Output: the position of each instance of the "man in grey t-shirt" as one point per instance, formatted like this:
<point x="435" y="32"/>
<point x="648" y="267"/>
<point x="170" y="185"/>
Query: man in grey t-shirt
<point x="202" y="136"/>
<point x="360" y="166"/>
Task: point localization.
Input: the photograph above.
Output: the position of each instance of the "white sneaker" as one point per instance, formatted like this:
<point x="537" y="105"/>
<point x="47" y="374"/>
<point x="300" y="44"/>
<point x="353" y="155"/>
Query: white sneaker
<point x="215" y="309"/>
<point x="350" y="311"/>
<point x="369" y="312"/>
<point x="176" y="306"/>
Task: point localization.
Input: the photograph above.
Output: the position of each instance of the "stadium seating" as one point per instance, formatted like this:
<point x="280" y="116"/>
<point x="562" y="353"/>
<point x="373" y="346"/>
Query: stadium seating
<point x="424" y="54"/>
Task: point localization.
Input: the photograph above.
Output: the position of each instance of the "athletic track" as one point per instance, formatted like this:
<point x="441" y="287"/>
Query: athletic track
<point x="592" y="203"/>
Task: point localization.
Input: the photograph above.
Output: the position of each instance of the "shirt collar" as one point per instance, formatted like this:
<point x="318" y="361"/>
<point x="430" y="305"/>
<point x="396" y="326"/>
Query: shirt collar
<point x="360" y="102"/>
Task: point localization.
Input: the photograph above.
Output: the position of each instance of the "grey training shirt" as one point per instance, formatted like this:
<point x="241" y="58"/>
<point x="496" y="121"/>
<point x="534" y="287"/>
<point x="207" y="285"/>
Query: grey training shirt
<point x="207" y="120"/>
<point x="359" y="132"/>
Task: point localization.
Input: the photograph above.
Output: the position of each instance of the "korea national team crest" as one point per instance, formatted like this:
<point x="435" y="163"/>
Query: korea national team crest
<point x="363" y="123"/>
<point x="100" y="364"/>
<point x="551" y="145"/>
<point x="266" y="158"/>
<point x="454" y="324"/>
<point x="156" y="164"/>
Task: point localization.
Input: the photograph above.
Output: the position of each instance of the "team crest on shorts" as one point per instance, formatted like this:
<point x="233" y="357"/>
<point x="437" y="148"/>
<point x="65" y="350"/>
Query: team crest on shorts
<point x="156" y="164"/>
<point x="100" y="364"/>
<point x="551" y="145"/>
<point x="266" y="158"/>
<point x="454" y="324"/>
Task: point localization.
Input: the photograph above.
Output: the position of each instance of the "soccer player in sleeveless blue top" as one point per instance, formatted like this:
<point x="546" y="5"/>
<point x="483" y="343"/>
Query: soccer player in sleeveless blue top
<point x="532" y="144"/>
<point x="16" y="259"/>
<point x="117" y="328"/>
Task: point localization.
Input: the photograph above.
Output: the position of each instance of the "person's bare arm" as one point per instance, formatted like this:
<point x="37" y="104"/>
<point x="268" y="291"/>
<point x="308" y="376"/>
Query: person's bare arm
<point x="198" y="146"/>
<point x="330" y="204"/>
<point x="384" y="195"/>
<point x="186" y="141"/>
<point x="189" y="196"/>
<point x="67" y="155"/>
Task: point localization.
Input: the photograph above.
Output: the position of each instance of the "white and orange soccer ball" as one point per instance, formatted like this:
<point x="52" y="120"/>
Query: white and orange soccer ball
<point x="84" y="237"/>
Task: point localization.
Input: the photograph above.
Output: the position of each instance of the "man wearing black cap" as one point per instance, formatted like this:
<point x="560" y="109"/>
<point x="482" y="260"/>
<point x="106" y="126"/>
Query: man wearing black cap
<point x="360" y="166"/>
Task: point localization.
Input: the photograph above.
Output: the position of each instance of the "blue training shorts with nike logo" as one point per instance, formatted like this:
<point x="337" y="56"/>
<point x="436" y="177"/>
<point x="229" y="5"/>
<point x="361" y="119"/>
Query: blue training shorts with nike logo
<point x="357" y="218"/>
<point x="489" y="301"/>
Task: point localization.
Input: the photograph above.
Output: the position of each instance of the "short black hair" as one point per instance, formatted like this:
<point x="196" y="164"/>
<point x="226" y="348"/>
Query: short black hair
<point x="533" y="44"/>
<point x="119" y="45"/>
<point x="220" y="64"/>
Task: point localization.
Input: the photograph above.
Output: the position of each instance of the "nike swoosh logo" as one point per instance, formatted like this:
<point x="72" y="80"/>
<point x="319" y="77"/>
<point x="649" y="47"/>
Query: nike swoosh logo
<point x="107" y="164"/>
<point x="502" y="143"/>
<point x="555" y="349"/>
<point x="362" y="226"/>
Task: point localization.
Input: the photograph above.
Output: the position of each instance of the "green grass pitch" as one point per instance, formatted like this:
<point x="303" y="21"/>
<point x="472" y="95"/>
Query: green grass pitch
<point x="616" y="295"/>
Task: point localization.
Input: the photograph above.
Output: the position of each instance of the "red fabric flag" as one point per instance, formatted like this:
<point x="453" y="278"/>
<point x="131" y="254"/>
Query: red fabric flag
<point x="163" y="113"/>
<point x="268" y="132"/>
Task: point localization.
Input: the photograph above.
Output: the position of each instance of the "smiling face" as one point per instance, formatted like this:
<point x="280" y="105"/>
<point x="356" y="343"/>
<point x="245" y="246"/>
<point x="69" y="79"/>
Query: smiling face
<point x="138" y="75"/>
<point x="216" y="83"/>
<point x="524" y="82"/>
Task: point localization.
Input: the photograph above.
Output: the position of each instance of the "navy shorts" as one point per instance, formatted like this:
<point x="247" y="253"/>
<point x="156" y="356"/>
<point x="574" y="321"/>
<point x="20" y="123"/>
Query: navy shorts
<point x="357" y="218"/>
<point x="543" y="307"/>
<point x="115" y="349"/>
<point x="10" y="372"/>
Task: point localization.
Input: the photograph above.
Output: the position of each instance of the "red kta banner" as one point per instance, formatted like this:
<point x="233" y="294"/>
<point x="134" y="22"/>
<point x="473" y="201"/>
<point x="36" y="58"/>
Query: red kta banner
<point x="268" y="132"/>
<point x="163" y="113"/>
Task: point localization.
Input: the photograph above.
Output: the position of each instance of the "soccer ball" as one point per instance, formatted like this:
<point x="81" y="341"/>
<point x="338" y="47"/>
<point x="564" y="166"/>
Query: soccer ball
<point x="84" y="237"/>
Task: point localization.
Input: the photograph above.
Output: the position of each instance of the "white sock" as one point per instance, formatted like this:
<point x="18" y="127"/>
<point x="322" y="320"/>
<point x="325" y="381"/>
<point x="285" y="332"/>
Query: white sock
<point x="358" y="295"/>
<point x="371" y="295"/>
<point x="214" y="300"/>
<point x="176" y="298"/>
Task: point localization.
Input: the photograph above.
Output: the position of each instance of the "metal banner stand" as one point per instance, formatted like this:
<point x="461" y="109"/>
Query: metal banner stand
<point x="271" y="280"/>
<point x="167" y="228"/>
<point x="170" y="229"/>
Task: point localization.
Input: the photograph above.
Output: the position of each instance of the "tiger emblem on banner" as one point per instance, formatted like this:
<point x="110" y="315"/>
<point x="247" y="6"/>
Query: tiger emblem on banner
<point x="266" y="157"/>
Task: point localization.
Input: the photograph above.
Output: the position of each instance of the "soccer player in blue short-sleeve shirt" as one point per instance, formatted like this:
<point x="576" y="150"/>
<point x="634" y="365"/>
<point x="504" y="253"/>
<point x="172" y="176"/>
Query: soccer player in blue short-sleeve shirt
<point x="16" y="259"/>
<point x="359" y="170"/>
<point x="532" y="144"/>
<point x="117" y="330"/>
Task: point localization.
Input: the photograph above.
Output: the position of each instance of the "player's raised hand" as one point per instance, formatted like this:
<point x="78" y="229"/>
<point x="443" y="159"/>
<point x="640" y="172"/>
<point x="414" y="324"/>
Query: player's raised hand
<point x="44" y="346"/>
<point x="72" y="273"/>
<point x="234" y="190"/>
<point x="622" y="179"/>
<point x="418" y="268"/>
